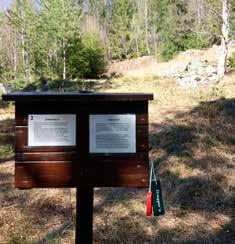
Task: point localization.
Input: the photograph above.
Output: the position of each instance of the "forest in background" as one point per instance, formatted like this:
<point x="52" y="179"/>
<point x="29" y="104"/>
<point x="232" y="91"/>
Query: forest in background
<point x="71" y="39"/>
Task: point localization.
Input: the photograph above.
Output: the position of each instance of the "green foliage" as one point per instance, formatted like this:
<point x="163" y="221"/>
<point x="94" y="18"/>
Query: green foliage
<point x="58" y="23"/>
<point x="172" y="45"/>
<point x="94" y="54"/>
<point x="86" y="57"/>
<point x="5" y="151"/>
<point x="231" y="61"/>
<point x="120" y="32"/>
<point x="6" y="74"/>
<point x="192" y="40"/>
<point x="19" y="84"/>
<point x="232" y="19"/>
<point x="50" y="37"/>
<point x="178" y="30"/>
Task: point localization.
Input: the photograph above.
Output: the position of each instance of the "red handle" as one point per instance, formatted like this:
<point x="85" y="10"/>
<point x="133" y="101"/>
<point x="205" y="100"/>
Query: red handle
<point x="149" y="204"/>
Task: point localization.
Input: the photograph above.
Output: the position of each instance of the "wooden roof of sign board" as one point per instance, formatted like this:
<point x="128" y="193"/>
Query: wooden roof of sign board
<point x="75" y="96"/>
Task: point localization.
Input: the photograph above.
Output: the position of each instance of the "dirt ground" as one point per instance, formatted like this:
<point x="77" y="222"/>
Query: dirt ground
<point x="192" y="136"/>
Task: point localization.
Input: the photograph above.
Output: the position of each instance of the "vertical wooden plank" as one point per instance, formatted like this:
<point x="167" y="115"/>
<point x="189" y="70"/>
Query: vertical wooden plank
<point x="84" y="221"/>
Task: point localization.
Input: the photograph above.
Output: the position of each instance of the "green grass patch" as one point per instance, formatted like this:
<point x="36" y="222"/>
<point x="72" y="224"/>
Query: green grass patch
<point x="231" y="61"/>
<point x="6" y="152"/>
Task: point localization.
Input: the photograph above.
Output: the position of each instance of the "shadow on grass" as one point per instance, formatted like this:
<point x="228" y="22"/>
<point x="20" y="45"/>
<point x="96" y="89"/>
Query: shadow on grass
<point x="200" y="194"/>
<point x="226" y="235"/>
<point x="47" y="207"/>
<point x="123" y="229"/>
<point x="175" y="235"/>
<point x="55" y="235"/>
<point x="8" y="195"/>
<point x="192" y="154"/>
<point x="34" y="211"/>
<point x="111" y="196"/>
<point x="5" y="185"/>
<point x="37" y="211"/>
<point x="4" y="104"/>
<point x="7" y="140"/>
<point x="66" y="85"/>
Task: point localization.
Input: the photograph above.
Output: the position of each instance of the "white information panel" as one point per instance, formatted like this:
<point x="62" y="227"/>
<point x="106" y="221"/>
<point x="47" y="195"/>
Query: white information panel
<point x="52" y="129"/>
<point x="112" y="133"/>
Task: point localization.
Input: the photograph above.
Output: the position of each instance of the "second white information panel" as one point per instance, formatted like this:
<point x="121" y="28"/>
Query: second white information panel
<point x="112" y="133"/>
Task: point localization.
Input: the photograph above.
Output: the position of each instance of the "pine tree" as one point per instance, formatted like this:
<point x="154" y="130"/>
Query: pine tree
<point x="59" y="21"/>
<point x="120" y="35"/>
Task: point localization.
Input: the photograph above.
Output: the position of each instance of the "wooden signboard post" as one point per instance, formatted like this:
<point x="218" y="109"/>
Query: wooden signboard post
<point x="82" y="140"/>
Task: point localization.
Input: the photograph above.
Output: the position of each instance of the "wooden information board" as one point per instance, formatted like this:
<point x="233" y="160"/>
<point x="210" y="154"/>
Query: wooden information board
<point x="81" y="139"/>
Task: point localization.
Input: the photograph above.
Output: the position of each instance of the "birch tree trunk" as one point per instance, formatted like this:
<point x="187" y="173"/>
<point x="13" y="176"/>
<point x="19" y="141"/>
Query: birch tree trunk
<point x="23" y="48"/>
<point x="146" y="25"/>
<point x="199" y="14"/>
<point x="224" y="39"/>
<point x="64" y="65"/>
<point x="64" y="51"/>
<point x="64" y="60"/>
<point x="15" y="58"/>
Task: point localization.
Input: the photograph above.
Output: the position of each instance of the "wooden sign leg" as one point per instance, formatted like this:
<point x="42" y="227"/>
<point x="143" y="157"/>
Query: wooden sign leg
<point x="84" y="219"/>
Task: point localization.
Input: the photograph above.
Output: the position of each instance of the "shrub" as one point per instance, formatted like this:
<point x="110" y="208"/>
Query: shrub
<point x="86" y="57"/>
<point x="19" y="84"/>
<point x="173" y="45"/>
<point x="6" y="75"/>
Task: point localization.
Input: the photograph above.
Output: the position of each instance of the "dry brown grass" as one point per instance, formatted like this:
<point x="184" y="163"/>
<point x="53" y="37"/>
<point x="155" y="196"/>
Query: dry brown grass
<point x="192" y="136"/>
